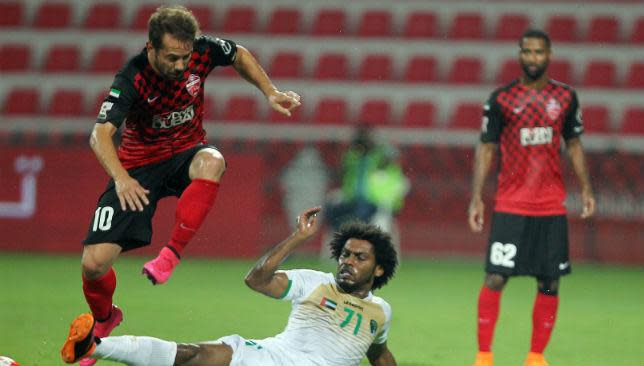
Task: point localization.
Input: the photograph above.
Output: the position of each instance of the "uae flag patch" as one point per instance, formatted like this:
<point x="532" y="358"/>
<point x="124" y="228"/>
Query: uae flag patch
<point x="328" y="303"/>
<point x="115" y="93"/>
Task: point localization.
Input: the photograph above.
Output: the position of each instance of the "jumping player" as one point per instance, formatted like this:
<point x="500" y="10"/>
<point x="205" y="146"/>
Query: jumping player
<point x="526" y="121"/>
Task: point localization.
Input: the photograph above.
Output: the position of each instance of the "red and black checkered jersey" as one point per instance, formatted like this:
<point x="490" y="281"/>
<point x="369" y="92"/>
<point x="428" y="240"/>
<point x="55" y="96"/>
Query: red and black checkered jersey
<point x="162" y="117"/>
<point x="529" y="124"/>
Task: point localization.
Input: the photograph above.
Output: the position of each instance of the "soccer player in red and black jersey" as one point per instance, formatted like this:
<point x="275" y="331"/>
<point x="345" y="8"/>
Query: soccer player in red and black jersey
<point x="526" y="120"/>
<point x="159" y="97"/>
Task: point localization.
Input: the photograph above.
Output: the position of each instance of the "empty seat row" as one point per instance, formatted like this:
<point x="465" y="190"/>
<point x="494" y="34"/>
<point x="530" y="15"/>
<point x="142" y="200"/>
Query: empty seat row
<point x="327" y="110"/>
<point x="333" y="22"/>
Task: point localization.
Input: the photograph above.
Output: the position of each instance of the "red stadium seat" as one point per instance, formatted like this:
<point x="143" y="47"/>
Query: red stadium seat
<point x="66" y="102"/>
<point x="465" y="70"/>
<point x="375" y="23"/>
<point x="22" y="101"/>
<point x="596" y="119"/>
<point x="375" y="112"/>
<point x="510" y="70"/>
<point x="142" y="15"/>
<point x="421" y="69"/>
<point x="286" y="65"/>
<point x="108" y="59"/>
<point x="330" y="22"/>
<point x="562" y="28"/>
<point x="53" y="15"/>
<point x="419" y="114"/>
<point x="637" y="35"/>
<point x="331" y="111"/>
<point x="240" y="19"/>
<point x="284" y="21"/>
<point x="421" y="24"/>
<point x="560" y="70"/>
<point x="15" y="57"/>
<point x="210" y="112"/>
<point x="635" y="75"/>
<point x="467" y="116"/>
<point x="510" y="27"/>
<point x="204" y="15"/>
<point x="633" y="121"/>
<point x="378" y="67"/>
<point x="103" y="16"/>
<point x="62" y="58"/>
<point x="95" y="107"/>
<point x="241" y="108"/>
<point x="11" y="14"/>
<point x="466" y="26"/>
<point x="599" y="74"/>
<point x="332" y="66"/>
<point x="603" y="29"/>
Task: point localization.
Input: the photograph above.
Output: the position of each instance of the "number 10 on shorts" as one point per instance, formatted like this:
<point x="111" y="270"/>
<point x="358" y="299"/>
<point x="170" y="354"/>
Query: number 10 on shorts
<point x="103" y="218"/>
<point x="503" y="254"/>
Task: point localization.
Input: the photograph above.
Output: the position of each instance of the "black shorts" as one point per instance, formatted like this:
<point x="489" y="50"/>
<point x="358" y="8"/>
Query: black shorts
<point x="528" y="245"/>
<point x="133" y="229"/>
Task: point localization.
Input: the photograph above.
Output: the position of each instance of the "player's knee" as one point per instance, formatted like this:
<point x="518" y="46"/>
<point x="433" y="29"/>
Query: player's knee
<point x="211" y="165"/>
<point x="548" y="286"/>
<point x="93" y="270"/>
<point x="495" y="281"/>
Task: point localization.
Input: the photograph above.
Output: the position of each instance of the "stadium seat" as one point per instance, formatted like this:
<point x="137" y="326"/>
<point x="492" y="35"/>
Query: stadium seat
<point x="95" y="107"/>
<point x="599" y="74"/>
<point x="596" y="118"/>
<point x="421" y="69"/>
<point x="66" y="102"/>
<point x="331" y="111"/>
<point x="329" y="22"/>
<point x="240" y="19"/>
<point x="62" y="58"/>
<point x="241" y="108"/>
<point x="465" y="70"/>
<point x="375" y="112"/>
<point x="421" y="24"/>
<point x="22" y="101"/>
<point x="510" y="70"/>
<point x="633" y="121"/>
<point x="204" y="15"/>
<point x="419" y="114"/>
<point x="15" y="57"/>
<point x="284" y="21"/>
<point x="637" y="35"/>
<point x="635" y="75"/>
<point x="467" y="116"/>
<point x="562" y="28"/>
<point x="103" y="16"/>
<point x="209" y="105"/>
<point x="142" y="15"/>
<point x="560" y="70"/>
<point x="376" y="67"/>
<point x="11" y="14"/>
<point x="604" y="29"/>
<point x="332" y="66"/>
<point x="108" y="59"/>
<point x="510" y="27"/>
<point x="375" y="23"/>
<point x="466" y="26"/>
<point x="53" y="15"/>
<point x="286" y="65"/>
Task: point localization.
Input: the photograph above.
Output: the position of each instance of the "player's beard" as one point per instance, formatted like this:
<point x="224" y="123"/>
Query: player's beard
<point x="536" y="73"/>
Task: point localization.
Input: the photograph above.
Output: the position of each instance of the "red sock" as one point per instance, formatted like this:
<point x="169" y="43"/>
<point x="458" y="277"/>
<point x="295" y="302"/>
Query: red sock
<point x="98" y="294"/>
<point x="192" y="208"/>
<point x="488" y="312"/>
<point x="544" y="315"/>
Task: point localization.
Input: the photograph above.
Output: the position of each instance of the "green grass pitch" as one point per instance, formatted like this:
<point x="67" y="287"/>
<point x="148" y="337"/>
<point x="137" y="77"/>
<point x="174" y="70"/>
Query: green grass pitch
<point x="601" y="317"/>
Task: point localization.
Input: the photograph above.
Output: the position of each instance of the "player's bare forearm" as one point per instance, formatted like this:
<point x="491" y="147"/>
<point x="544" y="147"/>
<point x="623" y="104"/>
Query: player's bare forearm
<point x="103" y="146"/>
<point x="248" y="67"/>
<point x="263" y="277"/>
<point x="578" y="160"/>
<point x="379" y="355"/>
<point x="482" y="162"/>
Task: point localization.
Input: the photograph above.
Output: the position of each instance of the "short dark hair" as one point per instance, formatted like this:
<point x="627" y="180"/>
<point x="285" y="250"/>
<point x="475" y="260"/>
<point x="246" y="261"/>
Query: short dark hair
<point x="175" y="20"/>
<point x="535" y="33"/>
<point x="386" y="256"/>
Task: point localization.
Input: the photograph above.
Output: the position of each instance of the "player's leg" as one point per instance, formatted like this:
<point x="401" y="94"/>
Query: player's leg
<point x="544" y="315"/>
<point x="203" y="354"/>
<point x="204" y="173"/>
<point x="488" y="312"/>
<point x="99" y="278"/>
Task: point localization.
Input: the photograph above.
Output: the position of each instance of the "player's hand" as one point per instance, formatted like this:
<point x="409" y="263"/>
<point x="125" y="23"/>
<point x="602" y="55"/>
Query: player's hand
<point x="131" y="194"/>
<point x="475" y="215"/>
<point x="588" y="201"/>
<point x="307" y="222"/>
<point x="284" y="102"/>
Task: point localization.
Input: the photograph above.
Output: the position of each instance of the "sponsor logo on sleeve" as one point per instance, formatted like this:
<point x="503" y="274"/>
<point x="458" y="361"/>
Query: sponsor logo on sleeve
<point x="115" y="93"/>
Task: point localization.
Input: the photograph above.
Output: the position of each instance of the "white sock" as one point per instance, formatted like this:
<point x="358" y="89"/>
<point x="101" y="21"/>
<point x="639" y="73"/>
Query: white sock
<point x="137" y="351"/>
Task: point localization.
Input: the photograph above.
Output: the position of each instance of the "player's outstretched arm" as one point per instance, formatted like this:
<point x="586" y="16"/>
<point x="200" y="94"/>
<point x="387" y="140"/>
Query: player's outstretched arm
<point x="248" y="67"/>
<point x="482" y="162"/>
<point x="131" y="194"/>
<point x="578" y="159"/>
<point x="379" y="355"/>
<point x="263" y="277"/>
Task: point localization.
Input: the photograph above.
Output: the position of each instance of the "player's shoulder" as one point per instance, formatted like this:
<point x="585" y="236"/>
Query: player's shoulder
<point x="133" y="66"/>
<point x="204" y="42"/>
<point x="561" y="85"/>
<point x="506" y="88"/>
<point x="386" y="308"/>
<point x="310" y="275"/>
